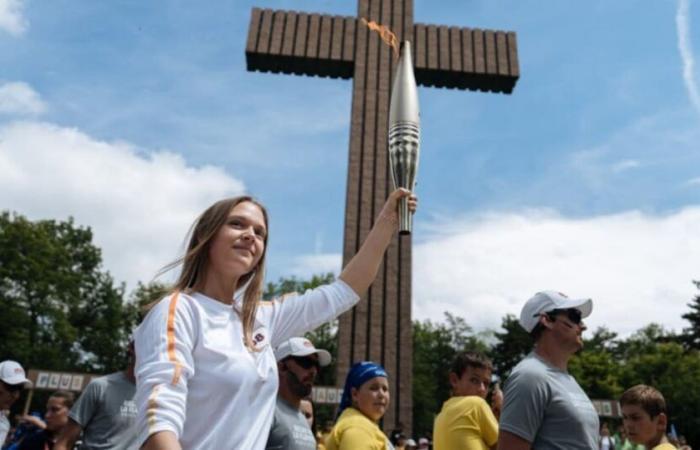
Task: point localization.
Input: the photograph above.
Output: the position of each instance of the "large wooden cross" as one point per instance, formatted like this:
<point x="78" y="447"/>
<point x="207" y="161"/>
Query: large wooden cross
<point x="379" y="328"/>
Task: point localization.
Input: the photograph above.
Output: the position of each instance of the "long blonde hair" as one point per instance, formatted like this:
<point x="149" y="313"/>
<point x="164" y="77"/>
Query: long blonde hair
<point x="195" y="261"/>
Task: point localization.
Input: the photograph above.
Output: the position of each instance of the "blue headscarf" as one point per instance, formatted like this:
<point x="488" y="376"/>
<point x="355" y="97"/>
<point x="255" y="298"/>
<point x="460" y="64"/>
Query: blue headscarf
<point x="359" y="374"/>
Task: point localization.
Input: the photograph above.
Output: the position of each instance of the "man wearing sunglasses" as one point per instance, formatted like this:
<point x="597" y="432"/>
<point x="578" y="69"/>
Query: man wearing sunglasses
<point x="298" y="363"/>
<point x="12" y="381"/>
<point x="544" y="407"/>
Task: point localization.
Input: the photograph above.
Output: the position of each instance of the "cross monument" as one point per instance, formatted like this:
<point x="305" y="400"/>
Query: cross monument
<point x="379" y="328"/>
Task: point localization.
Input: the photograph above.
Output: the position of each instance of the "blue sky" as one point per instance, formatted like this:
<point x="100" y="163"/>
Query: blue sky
<point x="134" y="116"/>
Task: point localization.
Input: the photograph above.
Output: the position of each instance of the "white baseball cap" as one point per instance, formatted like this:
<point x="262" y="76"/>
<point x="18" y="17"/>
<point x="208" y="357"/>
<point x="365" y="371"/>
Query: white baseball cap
<point x="546" y="301"/>
<point x="300" y="346"/>
<point x="410" y="442"/>
<point x="12" y="373"/>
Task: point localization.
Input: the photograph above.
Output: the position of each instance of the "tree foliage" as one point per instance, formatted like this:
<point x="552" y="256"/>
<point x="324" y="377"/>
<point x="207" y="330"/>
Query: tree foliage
<point x="512" y="344"/>
<point x="61" y="310"/>
<point x="691" y="334"/>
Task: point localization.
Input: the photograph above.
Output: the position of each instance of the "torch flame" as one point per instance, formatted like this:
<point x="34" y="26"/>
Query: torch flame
<point x="385" y="33"/>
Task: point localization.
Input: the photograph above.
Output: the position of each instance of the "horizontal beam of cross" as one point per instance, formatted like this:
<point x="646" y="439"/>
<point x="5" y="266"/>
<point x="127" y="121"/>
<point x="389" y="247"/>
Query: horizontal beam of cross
<point x="324" y="45"/>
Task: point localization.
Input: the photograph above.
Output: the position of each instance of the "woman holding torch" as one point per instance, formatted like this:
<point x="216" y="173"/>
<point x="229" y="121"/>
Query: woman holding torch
<point x="205" y="370"/>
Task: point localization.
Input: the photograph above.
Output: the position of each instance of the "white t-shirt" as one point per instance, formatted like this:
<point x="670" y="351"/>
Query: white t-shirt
<point x="4" y="427"/>
<point x="196" y="378"/>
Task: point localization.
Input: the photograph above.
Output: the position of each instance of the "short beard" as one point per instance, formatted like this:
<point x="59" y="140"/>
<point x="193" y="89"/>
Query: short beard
<point x="296" y="386"/>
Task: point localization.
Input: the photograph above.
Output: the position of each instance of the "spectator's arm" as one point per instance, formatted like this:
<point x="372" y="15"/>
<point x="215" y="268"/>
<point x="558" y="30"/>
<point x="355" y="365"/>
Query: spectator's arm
<point x="69" y="435"/>
<point x="33" y="421"/>
<point x="510" y="441"/>
<point x="162" y="440"/>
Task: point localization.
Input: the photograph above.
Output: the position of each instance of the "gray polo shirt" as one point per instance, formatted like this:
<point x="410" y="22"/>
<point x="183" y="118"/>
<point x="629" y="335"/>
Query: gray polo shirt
<point x="547" y="407"/>
<point x="106" y="412"/>
<point x="290" y="430"/>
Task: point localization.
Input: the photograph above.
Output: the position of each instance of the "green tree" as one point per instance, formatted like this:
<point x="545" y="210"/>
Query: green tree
<point x="596" y="367"/>
<point x="676" y="373"/>
<point x="691" y="334"/>
<point x="61" y="310"/>
<point x="512" y="344"/>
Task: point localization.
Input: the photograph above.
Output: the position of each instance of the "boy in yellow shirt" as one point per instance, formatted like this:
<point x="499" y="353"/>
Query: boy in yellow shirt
<point x="466" y="422"/>
<point x="644" y="417"/>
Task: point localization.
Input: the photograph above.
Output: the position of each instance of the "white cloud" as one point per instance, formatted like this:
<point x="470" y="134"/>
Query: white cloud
<point x="306" y="266"/>
<point x="20" y="99"/>
<point x="11" y="19"/>
<point x="686" y="51"/>
<point x="693" y="182"/>
<point x="627" y="164"/>
<point x="637" y="268"/>
<point x="139" y="204"/>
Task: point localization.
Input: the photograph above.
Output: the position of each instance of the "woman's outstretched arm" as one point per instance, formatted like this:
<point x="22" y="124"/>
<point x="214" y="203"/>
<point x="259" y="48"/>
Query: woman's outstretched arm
<point x="363" y="267"/>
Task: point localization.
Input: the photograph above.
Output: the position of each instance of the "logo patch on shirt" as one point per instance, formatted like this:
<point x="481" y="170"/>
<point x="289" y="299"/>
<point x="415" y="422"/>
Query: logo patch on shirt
<point x="260" y="338"/>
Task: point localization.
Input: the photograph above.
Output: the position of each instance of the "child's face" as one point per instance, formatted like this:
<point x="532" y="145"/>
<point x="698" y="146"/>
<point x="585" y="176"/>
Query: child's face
<point x="474" y="381"/>
<point x="640" y="427"/>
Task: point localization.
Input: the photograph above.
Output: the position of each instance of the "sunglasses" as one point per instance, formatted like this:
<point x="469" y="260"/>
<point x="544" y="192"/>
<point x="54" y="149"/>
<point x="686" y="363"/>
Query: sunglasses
<point x="13" y="387"/>
<point x="573" y="314"/>
<point x="306" y="362"/>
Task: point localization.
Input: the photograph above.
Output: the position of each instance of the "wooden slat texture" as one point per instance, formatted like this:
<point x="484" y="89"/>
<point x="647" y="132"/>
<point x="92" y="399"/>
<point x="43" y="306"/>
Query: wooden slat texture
<point x="251" y="55"/>
<point x="432" y="51"/>
<point x="513" y="55"/>
<point x="265" y="31"/>
<point x="390" y="344"/>
<point x="444" y="48"/>
<point x="467" y="50"/>
<point x="337" y="38"/>
<point x="491" y="57"/>
<point x="277" y="32"/>
<point x="405" y="380"/>
<point x="349" y="37"/>
<point x="471" y="53"/>
<point x="324" y="47"/>
<point x="301" y="35"/>
<point x="479" y="58"/>
<point x="312" y="37"/>
<point x="502" y="53"/>
<point x="455" y="49"/>
<point x="290" y="30"/>
<point x="420" y="47"/>
<point x="253" y="30"/>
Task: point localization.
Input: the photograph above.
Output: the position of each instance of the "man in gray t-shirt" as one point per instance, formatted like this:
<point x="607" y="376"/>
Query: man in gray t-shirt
<point x="298" y="363"/>
<point x="544" y="407"/>
<point x="105" y="413"/>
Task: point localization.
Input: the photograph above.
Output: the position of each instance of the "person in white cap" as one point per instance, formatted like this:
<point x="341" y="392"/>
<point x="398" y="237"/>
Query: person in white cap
<point x="544" y="406"/>
<point x="298" y="363"/>
<point x="12" y="381"/>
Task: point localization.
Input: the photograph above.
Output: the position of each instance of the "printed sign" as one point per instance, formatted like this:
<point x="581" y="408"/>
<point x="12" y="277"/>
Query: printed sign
<point x="326" y="394"/>
<point x="54" y="379"/>
<point x="65" y="381"/>
<point x="48" y="380"/>
<point x="77" y="384"/>
<point x="42" y="380"/>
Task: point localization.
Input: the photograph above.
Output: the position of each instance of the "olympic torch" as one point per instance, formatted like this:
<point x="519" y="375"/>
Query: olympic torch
<point x="404" y="133"/>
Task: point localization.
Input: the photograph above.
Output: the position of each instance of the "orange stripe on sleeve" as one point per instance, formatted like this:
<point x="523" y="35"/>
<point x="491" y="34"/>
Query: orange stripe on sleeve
<point x="152" y="406"/>
<point x="171" y="338"/>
